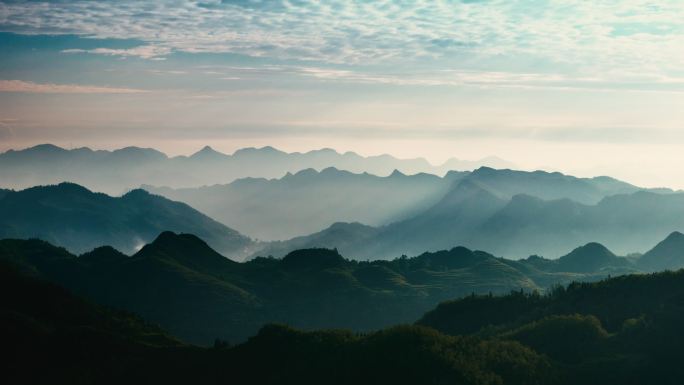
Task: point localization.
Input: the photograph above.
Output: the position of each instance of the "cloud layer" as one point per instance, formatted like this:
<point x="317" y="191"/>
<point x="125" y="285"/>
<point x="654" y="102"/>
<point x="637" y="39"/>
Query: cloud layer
<point x="51" y="88"/>
<point x="619" y="37"/>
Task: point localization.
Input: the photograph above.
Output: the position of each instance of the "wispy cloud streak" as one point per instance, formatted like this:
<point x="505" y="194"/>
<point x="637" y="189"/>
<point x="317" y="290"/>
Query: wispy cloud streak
<point x="51" y="88"/>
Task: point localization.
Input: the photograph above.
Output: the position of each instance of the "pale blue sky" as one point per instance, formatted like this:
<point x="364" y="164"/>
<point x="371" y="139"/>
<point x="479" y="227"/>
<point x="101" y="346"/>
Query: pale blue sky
<point x="577" y="86"/>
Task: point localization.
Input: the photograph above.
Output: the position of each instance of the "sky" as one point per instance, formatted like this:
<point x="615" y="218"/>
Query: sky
<point x="582" y="87"/>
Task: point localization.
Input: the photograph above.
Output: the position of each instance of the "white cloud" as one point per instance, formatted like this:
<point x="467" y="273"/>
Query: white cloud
<point x="587" y="38"/>
<point x="51" y="88"/>
<point x="145" y="52"/>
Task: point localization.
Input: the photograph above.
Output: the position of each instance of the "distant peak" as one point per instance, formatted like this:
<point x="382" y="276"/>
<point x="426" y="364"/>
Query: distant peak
<point x="137" y="193"/>
<point x="205" y="152"/>
<point x="262" y="150"/>
<point x="173" y="240"/>
<point x="306" y="172"/>
<point x="593" y="248"/>
<point x="675" y="235"/>
<point x="324" y="150"/>
<point x="396" y="173"/>
<point x="330" y="170"/>
<point x="73" y="187"/>
<point x="46" y="147"/>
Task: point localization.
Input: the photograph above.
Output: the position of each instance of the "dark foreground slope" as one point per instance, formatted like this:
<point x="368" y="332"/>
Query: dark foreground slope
<point x="71" y="216"/>
<point x="192" y="291"/>
<point x="188" y="288"/>
<point x="624" y="330"/>
<point x="51" y="337"/>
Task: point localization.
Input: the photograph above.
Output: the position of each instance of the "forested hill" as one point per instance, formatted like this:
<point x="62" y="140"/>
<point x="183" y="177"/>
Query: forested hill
<point x="623" y="330"/>
<point x="181" y="283"/>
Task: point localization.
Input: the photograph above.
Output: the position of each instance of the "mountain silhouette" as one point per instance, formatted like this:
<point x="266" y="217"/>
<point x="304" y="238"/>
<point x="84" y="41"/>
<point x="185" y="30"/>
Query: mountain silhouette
<point x="591" y="257"/>
<point x="309" y="200"/>
<point x="666" y="255"/>
<point x="181" y="283"/>
<point x="116" y="171"/>
<point x="70" y="215"/>
<point x="479" y="212"/>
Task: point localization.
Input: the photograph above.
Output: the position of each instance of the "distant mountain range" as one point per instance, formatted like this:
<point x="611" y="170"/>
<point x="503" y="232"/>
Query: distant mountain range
<point x="72" y="216"/>
<point x="179" y="282"/>
<point x="310" y="200"/>
<point x="115" y="172"/>
<point x="515" y="214"/>
<point x="487" y="209"/>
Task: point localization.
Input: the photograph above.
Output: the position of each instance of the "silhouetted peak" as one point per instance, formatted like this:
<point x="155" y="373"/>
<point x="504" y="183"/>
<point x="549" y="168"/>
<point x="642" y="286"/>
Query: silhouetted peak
<point x="667" y="254"/>
<point x="62" y="189"/>
<point x="187" y="249"/>
<point x="207" y="153"/>
<point x="313" y="258"/>
<point x="323" y="151"/>
<point x="675" y="236"/>
<point x="484" y="170"/>
<point x="589" y="258"/>
<point x="330" y="171"/>
<point x="396" y="174"/>
<point x="137" y="193"/>
<point x="673" y="244"/>
<point x="456" y="258"/>
<point x="307" y="172"/>
<point x="593" y="248"/>
<point x="46" y="148"/>
<point x="102" y="254"/>
<point x="133" y="153"/>
<point x="267" y="150"/>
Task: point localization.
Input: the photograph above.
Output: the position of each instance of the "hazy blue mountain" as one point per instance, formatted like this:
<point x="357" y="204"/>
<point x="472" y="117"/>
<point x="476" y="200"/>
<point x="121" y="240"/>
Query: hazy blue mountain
<point x="117" y="171"/>
<point x="342" y="236"/>
<point x="309" y="200"/>
<point x="666" y="255"/>
<point x="179" y="282"/>
<point x="547" y="185"/>
<point x="72" y="216"/>
<point x="496" y="210"/>
<point x="625" y="223"/>
<point x="592" y="257"/>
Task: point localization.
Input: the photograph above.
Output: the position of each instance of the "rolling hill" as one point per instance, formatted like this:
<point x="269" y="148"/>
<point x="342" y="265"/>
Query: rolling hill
<point x="71" y="216"/>
<point x="179" y="282"/>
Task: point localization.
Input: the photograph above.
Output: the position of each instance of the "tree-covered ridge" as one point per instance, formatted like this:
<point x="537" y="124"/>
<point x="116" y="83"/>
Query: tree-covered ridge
<point x="51" y="337"/>
<point x="74" y="217"/>
<point x="184" y="285"/>
<point x="622" y="330"/>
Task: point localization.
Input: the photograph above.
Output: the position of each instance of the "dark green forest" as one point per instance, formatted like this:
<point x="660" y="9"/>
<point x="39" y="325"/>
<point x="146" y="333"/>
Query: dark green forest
<point x="622" y="330"/>
<point x="195" y="293"/>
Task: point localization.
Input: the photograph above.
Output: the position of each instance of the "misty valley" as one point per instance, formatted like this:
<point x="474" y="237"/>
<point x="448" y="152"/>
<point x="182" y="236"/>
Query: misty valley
<point x="477" y="277"/>
<point x="341" y="192"/>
